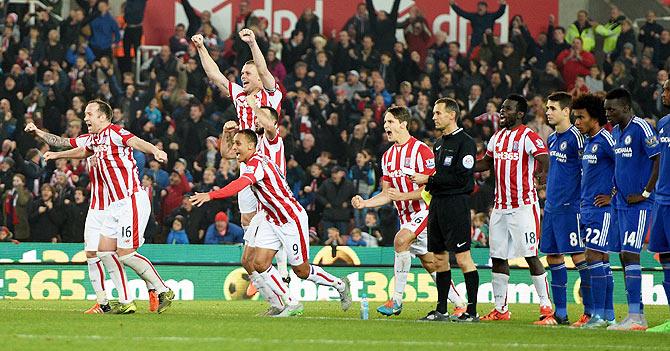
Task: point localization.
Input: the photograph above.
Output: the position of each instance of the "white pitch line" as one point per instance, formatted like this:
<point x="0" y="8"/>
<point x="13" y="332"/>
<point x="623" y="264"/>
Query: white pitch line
<point x="319" y="341"/>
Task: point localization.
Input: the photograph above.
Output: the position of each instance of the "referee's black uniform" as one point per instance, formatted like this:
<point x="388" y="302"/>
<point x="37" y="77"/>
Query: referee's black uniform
<point x="450" y="187"/>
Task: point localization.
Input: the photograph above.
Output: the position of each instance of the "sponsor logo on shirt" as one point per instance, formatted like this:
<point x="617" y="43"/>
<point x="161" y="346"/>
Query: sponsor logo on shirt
<point x="505" y="155"/>
<point x="652" y="141"/>
<point x="447" y="160"/>
<point x="560" y="156"/>
<point x="626" y="152"/>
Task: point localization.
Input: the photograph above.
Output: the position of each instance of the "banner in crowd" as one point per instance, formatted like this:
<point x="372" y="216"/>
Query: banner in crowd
<point x="200" y="272"/>
<point x="282" y="15"/>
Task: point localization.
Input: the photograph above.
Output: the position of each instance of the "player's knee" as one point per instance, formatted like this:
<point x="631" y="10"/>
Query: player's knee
<point x="464" y="261"/>
<point x="302" y="271"/>
<point x="261" y="265"/>
<point x="428" y="264"/>
<point x="441" y="262"/>
<point x="630" y="258"/>
<point x="402" y="242"/>
<point x="553" y="259"/>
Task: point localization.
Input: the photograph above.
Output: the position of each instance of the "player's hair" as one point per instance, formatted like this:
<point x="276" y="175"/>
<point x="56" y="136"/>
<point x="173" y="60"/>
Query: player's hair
<point x="273" y="113"/>
<point x="450" y="104"/>
<point x="250" y="62"/>
<point x="250" y="135"/>
<point x="593" y="104"/>
<point x="400" y="113"/>
<point x="103" y="107"/>
<point x="620" y="94"/>
<point x="521" y="103"/>
<point x="564" y="99"/>
<point x="32" y="153"/>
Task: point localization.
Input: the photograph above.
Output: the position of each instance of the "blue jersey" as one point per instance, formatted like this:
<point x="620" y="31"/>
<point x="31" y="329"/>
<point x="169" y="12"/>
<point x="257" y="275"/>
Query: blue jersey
<point x="663" y="184"/>
<point x="634" y="147"/>
<point x="564" y="178"/>
<point x="597" y="169"/>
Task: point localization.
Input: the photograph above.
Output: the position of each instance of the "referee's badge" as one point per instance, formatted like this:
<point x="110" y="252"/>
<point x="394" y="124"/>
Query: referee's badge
<point x="447" y="160"/>
<point x="468" y="161"/>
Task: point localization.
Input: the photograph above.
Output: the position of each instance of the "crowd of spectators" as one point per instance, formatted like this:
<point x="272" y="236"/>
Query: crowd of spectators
<point x="336" y="88"/>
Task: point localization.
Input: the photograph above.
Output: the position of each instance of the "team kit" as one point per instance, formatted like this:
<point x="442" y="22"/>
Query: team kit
<point x="605" y="191"/>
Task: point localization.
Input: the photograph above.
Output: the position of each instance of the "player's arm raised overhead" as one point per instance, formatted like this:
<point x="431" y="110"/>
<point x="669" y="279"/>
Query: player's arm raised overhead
<point x="268" y="80"/>
<point x="77" y="153"/>
<point x="210" y="67"/>
<point x="147" y="148"/>
<point x="226" y="145"/>
<point x="51" y="139"/>
<point x="263" y="118"/>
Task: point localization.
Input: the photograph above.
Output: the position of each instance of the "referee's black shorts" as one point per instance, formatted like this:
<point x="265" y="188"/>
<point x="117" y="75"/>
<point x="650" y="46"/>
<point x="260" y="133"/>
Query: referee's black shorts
<point x="449" y="224"/>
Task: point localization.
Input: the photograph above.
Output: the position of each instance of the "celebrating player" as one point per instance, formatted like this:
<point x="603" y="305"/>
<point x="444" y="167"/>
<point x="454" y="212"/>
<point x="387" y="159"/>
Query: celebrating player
<point x="596" y="219"/>
<point x="406" y="157"/>
<point x="660" y="230"/>
<point x="284" y="226"/>
<point x="636" y="164"/>
<point x="513" y="153"/>
<point x="120" y="207"/>
<point x="560" y="229"/>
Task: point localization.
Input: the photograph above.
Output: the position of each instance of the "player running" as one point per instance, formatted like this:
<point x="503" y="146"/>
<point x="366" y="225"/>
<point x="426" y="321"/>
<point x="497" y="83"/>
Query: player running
<point x="596" y="220"/>
<point x="514" y="154"/>
<point x="636" y="165"/>
<point x="284" y="226"/>
<point x="120" y="207"/>
<point x="561" y="233"/>
<point x="660" y="230"/>
<point x="406" y="157"/>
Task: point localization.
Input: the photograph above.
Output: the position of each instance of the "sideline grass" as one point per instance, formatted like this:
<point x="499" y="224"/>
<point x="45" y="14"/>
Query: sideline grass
<point x="233" y="325"/>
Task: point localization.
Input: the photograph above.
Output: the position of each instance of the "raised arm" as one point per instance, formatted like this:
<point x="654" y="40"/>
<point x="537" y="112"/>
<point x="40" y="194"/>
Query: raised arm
<point x="268" y="80"/>
<point x="51" y="139"/>
<point x="210" y="67"/>
<point x="263" y="118"/>
<point x="226" y="146"/>
<point x="147" y="148"/>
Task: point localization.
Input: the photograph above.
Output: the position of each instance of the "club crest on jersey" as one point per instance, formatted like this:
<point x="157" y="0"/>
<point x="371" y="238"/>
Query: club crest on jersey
<point x="594" y="148"/>
<point x="408" y="161"/>
<point x="652" y="141"/>
<point x="564" y="145"/>
<point x="447" y="160"/>
<point x="627" y="140"/>
<point x="515" y="146"/>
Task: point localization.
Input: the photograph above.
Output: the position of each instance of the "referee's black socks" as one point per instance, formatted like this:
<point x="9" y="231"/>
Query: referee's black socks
<point x="443" y="282"/>
<point x="472" y="287"/>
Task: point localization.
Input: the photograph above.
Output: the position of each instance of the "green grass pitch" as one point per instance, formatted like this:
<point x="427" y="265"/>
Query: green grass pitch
<point x="225" y="325"/>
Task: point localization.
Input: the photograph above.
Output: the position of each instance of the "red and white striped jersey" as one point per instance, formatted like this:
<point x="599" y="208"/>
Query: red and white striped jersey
<point x="112" y="168"/>
<point x="413" y="155"/>
<point x="513" y="152"/>
<point x="274" y="150"/>
<point x="245" y="114"/>
<point x="273" y="193"/>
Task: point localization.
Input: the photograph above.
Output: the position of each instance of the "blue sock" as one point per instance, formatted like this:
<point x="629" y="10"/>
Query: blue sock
<point x="634" y="287"/>
<point x="559" y="288"/>
<point x="585" y="287"/>
<point x="666" y="280"/>
<point x="609" y="295"/>
<point x="598" y="287"/>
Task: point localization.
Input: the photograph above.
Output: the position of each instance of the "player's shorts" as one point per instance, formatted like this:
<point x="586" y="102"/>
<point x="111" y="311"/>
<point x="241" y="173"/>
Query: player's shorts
<point x="633" y="226"/>
<point x="418" y="224"/>
<point x="250" y="232"/>
<point x="660" y="230"/>
<point x="124" y="220"/>
<point x="246" y="200"/>
<point x="293" y="236"/>
<point x="598" y="229"/>
<point x="515" y="232"/>
<point x="561" y="233"/>
<point x="449" y="224"/>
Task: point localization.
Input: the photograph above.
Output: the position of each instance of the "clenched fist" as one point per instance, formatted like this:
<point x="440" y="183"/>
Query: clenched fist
<point x="198" y="40"/>
<point x="247" y="35"/>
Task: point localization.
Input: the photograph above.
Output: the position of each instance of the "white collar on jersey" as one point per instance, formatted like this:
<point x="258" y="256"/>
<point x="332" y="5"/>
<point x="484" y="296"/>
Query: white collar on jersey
<point x="458" y="130"/>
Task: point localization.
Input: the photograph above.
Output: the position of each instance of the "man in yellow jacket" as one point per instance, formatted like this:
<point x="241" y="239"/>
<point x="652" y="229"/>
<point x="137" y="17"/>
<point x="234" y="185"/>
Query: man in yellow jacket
<point x="582" y="28"/>
<point x="611" y="30"/>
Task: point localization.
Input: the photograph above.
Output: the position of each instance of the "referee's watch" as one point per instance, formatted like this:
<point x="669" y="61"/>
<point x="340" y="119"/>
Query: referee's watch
<point x="646" y="194"/>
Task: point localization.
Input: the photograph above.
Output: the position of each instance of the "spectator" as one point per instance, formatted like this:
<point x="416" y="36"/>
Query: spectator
<point x="45" y="216"/>
<point x="104" y="32"/>
<point x="650" y="32"/>
<point x="193" y="221"/>
<point x="16" y="203"/>
<point x="224" y="232"/>
<point x="358" y="25"/>
<point x="417" y="34"/>
<point x="75" y="212"/>
<point x="626" y="39"/>
<point x="334" y="195"/>
<point x="382" y="25"/>
<point x="7" y="236"/>
<point x="594" y="81"/>
<point x="177" y="234"/>
<point x="581" y="28"/>
<point x="480" y="20"/>
<point x="173" y="194"/>
<point x="370" y="229"/>
<point x="573" y="62"/>
<point x="356" y="238"/>
<point x="344" y="53"/>
<point x="308" y="24"/>
<point x="362" y="175"/>
<point x="334" y="238"/>
<point x="662" y="50"/>
<point x="480" y="234"/>
<point x="611" y="30"/>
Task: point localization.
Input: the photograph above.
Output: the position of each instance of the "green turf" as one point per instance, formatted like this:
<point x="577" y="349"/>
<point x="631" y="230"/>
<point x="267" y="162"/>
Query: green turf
<point x="219" y="325"/>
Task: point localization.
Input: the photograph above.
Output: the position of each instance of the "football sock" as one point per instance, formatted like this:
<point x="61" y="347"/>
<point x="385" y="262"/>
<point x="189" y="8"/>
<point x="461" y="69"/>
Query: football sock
<point x="401" y="266"/>
<point x="598" y="287"/>
<point x="149" y="285"/>
<point x="666" y="280"/>
<point x="542" y="288"/>
<point x="585" y="287"/>
<point x="273" y="299"/>
<point x="609" y="295"/>
<point x="454" y="296"/>
<point x="282" y="266"/>
<point x="559" y="288"/>
<point x="143" y="267"/>
<point x="500" y="282"/>
<point x="113" y="266"/>
<point x="472" y="287"/>
<point x="273" y="280"/>
<point x="633" y="287"/>
<point x="319" y="276"/>
<point x="443" y="282"/>
<point x="96" y="275"/>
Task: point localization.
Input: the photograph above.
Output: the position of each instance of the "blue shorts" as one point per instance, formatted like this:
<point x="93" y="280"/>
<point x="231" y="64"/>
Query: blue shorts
<point x="597" y="228"/>
<point x="633" y="225"/>
<point x="660" y="230"/>
<point x="561" y="234"/>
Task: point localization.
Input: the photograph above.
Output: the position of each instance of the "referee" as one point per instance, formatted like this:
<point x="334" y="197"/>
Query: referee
<point x="449" y="212"/>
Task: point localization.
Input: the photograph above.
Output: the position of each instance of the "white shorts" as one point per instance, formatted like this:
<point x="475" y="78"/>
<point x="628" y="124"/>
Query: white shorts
<point x="246" y="200"/>
<point x="293" y="236"/>
<point x="124" y="220"/>
<point x="418" y="225"/>
<point x="515" y="232"/>
<point x="254" y="225"/>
